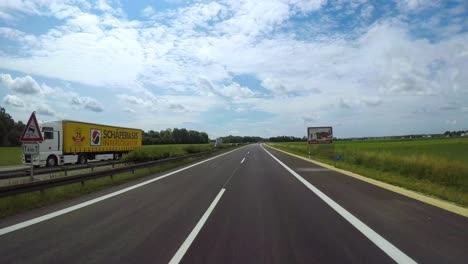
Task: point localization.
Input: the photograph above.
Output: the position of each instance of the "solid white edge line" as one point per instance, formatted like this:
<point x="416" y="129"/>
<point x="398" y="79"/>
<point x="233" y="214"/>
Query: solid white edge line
<point x="39" y="219"/>
<point x="387" y="247"/>
<point x="242" y="161"/>
<point x="186" y="245"/>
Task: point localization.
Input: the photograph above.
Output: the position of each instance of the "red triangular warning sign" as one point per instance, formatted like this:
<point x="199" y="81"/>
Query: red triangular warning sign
<point x="32" y="131"/>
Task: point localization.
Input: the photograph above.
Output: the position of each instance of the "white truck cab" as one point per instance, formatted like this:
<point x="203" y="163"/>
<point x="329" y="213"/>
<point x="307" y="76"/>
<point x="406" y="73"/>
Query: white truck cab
<point x="50" y="149"/>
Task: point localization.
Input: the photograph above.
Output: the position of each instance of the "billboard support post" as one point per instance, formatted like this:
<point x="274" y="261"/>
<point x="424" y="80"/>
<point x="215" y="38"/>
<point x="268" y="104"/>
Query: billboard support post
<point x="334" y="153"/>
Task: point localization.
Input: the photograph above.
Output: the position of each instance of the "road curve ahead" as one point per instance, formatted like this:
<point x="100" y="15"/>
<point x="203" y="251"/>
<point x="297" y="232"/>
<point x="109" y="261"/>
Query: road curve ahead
<point x="251" y="205"/>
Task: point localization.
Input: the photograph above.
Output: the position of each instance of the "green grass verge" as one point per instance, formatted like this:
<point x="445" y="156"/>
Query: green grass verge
<point x="425" y="170"/>
<point x="22" y="202"/>
<point x="10" y="156"/>
<point x="155" y="152"/>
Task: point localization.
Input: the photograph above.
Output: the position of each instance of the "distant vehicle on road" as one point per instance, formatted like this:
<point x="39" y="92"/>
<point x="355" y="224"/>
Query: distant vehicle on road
<point x="69" y="141"/>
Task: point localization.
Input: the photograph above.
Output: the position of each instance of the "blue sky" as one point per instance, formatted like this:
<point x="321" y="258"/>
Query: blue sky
<point x="264" y="68"/>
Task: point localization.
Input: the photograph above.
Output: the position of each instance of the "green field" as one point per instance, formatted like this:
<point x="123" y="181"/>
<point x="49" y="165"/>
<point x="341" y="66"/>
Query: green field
<point x="10" y="156"/>
<point x="437" y="167"/>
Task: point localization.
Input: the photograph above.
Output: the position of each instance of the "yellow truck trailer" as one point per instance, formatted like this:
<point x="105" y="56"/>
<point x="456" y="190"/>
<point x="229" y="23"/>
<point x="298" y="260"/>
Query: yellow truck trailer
<point x="69" y="141"/>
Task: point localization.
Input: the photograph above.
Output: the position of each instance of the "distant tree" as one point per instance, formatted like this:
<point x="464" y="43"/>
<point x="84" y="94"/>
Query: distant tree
<point x="204" y="137"/>
<point x="194" y="137"/>
<point x="184" y="136"/>
<point x="10" y="131"/>
<point x="15" y="134"/>
<point x="174" y="136"/>
<point x="287" y="139"/>
<point x="239" y="139"/>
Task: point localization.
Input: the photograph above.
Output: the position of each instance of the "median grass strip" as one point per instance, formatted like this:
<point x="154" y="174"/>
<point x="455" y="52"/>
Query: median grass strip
<point x="10" y="156"/>
<point x="424" y="169"/>
<point x="22" y="202"/>
<point x="155" y="152"/>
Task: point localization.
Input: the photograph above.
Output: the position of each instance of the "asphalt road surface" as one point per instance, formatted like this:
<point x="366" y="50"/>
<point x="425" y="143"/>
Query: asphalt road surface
<point x="251" y="205"/>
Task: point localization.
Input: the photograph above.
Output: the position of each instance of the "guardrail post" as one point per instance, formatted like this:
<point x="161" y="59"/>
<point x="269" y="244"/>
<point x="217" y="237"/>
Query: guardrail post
<point x="66" y="172"/>
<point x="32" y="169"/>
<point x="82" y="183"/>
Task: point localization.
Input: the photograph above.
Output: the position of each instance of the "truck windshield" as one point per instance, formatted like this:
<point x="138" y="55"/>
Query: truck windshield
<point x="48" y="135"/>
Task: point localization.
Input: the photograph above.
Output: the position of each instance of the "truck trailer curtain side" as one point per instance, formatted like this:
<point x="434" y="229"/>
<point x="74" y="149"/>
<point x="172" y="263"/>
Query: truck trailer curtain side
<point x="81" y="137"/>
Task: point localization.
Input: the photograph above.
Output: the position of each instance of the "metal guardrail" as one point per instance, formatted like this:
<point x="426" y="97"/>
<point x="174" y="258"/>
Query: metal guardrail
<point x="45" y="184"/>
<point x="19" y="173"/>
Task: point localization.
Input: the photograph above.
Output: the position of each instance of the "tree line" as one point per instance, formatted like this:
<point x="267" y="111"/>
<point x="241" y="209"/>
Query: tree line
<point x="174" y="136"/>
<point x="287" y="139"/>
<point x="460" y="133"/>
<point x="240" y="139"/>
<point x="10" y="130"/>
<point x="252" y="139"/>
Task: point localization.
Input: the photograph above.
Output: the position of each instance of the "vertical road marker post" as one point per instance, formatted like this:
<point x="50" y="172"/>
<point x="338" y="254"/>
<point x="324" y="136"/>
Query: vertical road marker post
<point x="32" y="168"/>
<point x="334" y="153"/>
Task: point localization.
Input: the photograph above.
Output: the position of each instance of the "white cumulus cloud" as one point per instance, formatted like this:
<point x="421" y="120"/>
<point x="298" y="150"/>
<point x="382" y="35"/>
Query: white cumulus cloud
<point x="13" y="100"/>
<point x="21" y="85"/>
<point x="44" y="109"/>
<point x="371" y="101"/>
<point x="148" y="11"/>
<point x="87" y="103"/>
<point x="236" y="90"/>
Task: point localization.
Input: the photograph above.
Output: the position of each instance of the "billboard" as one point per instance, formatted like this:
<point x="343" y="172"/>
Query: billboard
<point x="319" y="135"/>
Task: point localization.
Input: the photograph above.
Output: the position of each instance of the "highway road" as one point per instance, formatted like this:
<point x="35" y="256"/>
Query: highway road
<point x="251" y="205"/>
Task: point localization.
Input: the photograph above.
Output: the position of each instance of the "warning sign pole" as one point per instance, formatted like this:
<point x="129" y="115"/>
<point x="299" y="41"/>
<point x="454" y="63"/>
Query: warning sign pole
<point x="32" y="169"/>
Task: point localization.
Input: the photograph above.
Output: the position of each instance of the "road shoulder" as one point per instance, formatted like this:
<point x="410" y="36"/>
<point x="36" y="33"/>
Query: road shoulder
<point x="408" y="193"/>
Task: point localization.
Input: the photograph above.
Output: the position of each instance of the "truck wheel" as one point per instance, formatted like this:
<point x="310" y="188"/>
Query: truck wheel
<point x="51" y="161"/>
<point x="116" y="156"/>
<point x="82" y="159"/>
